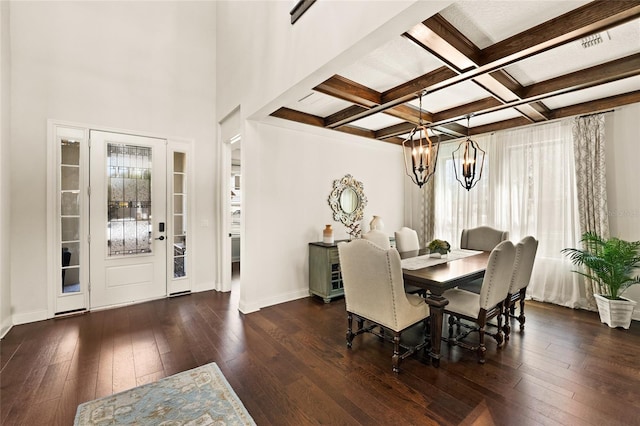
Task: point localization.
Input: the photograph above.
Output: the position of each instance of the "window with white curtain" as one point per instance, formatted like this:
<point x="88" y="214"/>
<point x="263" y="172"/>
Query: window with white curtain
<point x="527" y="188"/>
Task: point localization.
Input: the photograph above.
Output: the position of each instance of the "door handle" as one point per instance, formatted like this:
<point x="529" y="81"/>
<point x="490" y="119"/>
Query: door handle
<point x="161" y="237"/>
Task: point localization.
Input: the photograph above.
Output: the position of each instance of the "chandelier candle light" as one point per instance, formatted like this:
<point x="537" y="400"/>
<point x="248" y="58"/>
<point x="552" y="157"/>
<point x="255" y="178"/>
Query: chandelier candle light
<point x="466" y="158"/>
<point x="423" y="153"/>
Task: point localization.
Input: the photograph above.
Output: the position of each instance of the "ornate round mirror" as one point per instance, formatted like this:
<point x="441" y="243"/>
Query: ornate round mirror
<point x="347" y="201"/>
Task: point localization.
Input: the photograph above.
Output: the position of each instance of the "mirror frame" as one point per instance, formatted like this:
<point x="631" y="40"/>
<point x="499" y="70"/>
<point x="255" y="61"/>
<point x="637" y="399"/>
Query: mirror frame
<point x="350" y="220"/>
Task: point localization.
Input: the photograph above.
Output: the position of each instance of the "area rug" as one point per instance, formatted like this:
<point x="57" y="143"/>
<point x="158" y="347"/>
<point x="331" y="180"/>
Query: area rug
<point x="201" y="397"/>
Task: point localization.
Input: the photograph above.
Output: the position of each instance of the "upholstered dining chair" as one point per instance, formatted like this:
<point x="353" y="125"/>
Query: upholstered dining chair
<point x="374" y="292"/>
<point x="523" y="265"/>
<point x="407" y="239"/>
<point x="479" y="308"/>
<point x="483" y="238"/>
<point x="379" y="238"/>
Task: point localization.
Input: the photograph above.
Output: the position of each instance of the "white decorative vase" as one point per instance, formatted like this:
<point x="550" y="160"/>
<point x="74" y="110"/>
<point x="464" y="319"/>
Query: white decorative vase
<point x="327" y="234"/>
<point x="376" y="223"/>
<point x="615" y="313"/>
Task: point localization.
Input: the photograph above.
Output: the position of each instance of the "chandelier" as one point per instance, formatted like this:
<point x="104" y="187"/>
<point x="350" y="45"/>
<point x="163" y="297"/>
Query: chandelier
<point x="420" y="154"/>
<point x="465" y="162"/>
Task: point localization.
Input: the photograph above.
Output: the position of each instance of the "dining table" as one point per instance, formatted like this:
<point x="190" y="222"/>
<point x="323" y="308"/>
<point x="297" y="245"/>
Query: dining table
<point x="436" y="275"/>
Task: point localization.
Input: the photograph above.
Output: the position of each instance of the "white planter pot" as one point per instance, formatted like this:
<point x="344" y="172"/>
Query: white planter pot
<point x="615" y="313"/>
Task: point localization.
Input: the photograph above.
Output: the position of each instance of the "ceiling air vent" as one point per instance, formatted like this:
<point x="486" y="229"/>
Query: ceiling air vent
<point x="594" y="39"/>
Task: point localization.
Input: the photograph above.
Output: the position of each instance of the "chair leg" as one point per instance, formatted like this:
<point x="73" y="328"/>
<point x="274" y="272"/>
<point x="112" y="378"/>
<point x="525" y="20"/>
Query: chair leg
<point x="482" y="349"/>
<point x="521" y="317"/>
<point x="507" y="323"/>
<point x="499" y="335"/>
<point x="395" y="360"/>
<point x="350" y="334"/>
<point x="452" y="321"/>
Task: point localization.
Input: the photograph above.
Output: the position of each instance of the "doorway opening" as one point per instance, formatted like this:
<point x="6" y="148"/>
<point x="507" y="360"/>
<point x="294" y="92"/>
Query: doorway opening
<point x="236" y="209"/>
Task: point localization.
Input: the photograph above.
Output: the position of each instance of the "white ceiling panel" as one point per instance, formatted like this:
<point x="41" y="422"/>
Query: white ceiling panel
<point x="488" y="22"/>
<point x="319" y="104"/>
<point x="394" y="63"/>
<point x="621" y="41"/>
<point x="627" y="85"/>
<point x="451" y="97"/>
<point x="492" y="117"/>
<point x="377" y="121"/>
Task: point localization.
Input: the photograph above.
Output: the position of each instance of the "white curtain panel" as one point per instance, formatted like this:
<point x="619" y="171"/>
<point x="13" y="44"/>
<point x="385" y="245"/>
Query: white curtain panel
<point x="527" y="188"/>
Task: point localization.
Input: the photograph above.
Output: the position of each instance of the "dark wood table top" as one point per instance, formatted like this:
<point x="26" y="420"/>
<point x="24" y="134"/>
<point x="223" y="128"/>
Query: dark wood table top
<point x="441" y="277"/>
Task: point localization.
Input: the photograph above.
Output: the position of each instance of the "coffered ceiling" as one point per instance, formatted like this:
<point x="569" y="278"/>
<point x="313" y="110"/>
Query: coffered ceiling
<point x="504" y="63"/>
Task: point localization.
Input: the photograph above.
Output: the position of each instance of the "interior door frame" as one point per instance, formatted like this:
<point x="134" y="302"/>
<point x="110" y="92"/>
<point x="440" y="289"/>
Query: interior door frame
<point x="174" y="144"/>
<point x="228" y="127"/>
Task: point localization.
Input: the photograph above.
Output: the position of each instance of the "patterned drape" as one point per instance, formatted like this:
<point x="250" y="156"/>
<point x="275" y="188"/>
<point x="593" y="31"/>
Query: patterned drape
<point x="591" y="181"/>
<point x="427" y="214"/>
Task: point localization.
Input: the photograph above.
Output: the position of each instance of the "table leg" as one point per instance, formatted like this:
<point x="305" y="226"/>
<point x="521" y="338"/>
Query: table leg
<point x="436" y="309"/>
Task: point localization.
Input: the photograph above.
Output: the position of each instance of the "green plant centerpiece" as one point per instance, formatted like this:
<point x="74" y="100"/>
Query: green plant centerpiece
<point x="439" y="246"/>
<point x="611" y="264"/>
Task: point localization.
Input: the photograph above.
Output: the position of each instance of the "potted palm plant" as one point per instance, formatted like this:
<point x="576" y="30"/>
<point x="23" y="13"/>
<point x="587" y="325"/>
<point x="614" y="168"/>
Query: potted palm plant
<point x="611" y="264"/>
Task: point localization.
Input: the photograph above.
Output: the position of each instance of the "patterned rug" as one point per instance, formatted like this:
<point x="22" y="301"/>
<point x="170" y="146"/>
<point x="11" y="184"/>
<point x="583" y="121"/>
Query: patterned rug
<point x="201" y="397"/>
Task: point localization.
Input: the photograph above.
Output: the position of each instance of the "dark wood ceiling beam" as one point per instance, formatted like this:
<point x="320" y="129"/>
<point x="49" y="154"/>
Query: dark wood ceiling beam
<point x="589" y="77"/>
<point x="455" y="130"/>
<point x="450" y="35"/>
<point x="413" y="88"/>
<point x="350" y="91"/>
<point x="393" y="140"/>
<point x="593" y="17"/>
<point x="339" y="116"/>
<point x="466" y="109"/>
<point x="395" y="130"/>
<point x="357" y="131"/>
<point x="444" y="41"/>
<point x="531" y="113"/>
<point x="410" y="114"/>
<point x="499" y="125"/>
<point x="496" y="88"/>
<point x="300" y="117"/>
<point x="504" y="78"/>
<point x="596" y="105"/>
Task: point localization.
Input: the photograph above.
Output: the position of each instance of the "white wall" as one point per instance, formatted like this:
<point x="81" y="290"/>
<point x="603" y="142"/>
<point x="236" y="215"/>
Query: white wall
<point x="146" y="67"/>
<point x="290" y="177"/>
<point x="265" y="58"/>
<point x="622" y="155"/>
<point x="287" y="174"/>
<point x="5" y="114"/>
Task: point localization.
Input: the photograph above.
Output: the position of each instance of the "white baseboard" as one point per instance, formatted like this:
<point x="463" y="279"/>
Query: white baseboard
<point x="247" y="308"/>
<point x="28" y="317"/>
<point x="281" y="298"/>
<point x="5" y="328"/>
<point x="206" y="286"/>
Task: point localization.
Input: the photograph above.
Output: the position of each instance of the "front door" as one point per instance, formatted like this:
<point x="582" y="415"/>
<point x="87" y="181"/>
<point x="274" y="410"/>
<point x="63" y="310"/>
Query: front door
<point x="128" y="202"/>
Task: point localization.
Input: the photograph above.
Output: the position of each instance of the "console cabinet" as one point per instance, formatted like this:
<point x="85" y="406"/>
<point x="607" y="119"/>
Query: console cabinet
<point x="325" y="278"/>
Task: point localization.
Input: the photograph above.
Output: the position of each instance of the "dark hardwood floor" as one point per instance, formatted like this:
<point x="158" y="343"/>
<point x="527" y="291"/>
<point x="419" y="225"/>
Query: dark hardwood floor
<point x="290" y="366"/>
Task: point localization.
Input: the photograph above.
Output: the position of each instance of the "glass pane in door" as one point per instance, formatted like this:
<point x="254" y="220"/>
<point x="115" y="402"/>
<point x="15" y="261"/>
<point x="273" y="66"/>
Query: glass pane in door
<point x="69" y="199"/>
<point x="128" y="199"/>
<point x="179" y="215"/>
